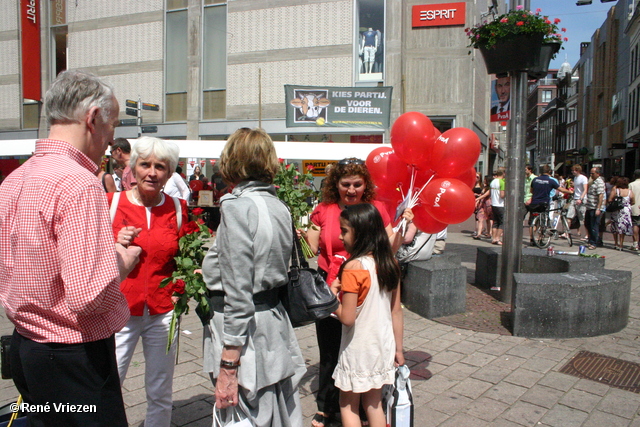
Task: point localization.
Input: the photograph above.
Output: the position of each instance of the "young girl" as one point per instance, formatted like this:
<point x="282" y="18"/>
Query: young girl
<point x="370" y="313"/>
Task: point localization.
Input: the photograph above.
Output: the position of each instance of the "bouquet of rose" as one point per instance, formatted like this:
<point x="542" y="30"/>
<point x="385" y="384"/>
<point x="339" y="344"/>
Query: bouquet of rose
<point x="294" y="188"/>
<point x="187" y="282"/>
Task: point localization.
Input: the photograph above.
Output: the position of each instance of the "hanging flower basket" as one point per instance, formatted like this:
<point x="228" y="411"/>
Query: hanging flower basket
<point x="548" y="51"/>
<point x="518" y="53"/>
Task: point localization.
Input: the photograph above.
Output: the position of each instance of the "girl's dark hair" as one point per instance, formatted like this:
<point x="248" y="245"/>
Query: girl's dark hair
<point x="370" y="237"/>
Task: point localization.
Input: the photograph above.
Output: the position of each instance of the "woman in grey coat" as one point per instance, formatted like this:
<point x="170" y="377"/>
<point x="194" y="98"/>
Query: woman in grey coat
<point x="250" y="348"/>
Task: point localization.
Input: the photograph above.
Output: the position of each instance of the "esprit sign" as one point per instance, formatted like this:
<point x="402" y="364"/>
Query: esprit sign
<point x="437" y="15"/>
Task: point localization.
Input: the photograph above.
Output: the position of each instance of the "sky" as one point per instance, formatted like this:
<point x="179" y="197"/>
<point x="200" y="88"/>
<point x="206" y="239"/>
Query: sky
<point x="580" y="21"/>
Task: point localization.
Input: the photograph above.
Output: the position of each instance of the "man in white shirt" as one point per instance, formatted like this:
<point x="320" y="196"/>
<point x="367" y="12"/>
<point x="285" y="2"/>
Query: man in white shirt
<point x="635" y="208"/>
<point x="497" y="206"/>
<point x="580" y="184"/>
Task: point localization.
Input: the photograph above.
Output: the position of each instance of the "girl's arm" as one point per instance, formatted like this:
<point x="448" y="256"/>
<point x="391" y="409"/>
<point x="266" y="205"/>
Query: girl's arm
<point x="346" y="311"/>
<point x="632" y="197"/>
<point x="397" y="320"/>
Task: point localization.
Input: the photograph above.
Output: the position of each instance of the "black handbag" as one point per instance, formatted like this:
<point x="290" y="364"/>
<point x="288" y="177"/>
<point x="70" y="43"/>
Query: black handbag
<point x="308" y="297"/>
<point x="616" y="204"/>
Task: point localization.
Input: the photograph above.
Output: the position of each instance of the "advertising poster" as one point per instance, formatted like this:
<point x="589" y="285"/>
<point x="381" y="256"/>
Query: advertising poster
<point x="312" y="106"/>
<point x="501" y="99"/>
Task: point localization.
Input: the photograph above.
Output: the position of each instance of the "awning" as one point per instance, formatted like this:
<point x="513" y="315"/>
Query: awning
<point x="212" y="149"/>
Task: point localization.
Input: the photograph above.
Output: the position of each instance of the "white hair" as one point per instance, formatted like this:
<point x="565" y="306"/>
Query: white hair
<point x="145" y="146"/>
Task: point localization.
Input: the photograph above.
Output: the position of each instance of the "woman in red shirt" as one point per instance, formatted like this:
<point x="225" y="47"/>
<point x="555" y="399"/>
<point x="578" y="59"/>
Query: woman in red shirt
<point x="147" y="217"/>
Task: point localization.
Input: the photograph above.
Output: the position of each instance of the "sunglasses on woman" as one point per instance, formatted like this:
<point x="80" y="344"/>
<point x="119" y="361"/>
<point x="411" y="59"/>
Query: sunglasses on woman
<point x="351" y="161"/>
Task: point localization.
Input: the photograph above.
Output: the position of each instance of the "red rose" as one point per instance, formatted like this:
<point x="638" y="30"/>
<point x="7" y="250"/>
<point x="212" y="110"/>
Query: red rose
<point x="200" y="221"/>
<point x="197" y="211"/>
<point x="519" y="23"/>
<point x="556" y="21"/>
<point x="178" y="286"/>
<point x="191" y="227"/>
<point x="310" y="167"/>
<point x="281" y="160"/>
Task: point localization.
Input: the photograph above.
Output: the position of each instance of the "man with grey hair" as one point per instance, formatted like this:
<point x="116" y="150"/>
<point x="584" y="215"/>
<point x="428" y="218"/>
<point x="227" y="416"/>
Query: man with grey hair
<point x="60" y="271"/>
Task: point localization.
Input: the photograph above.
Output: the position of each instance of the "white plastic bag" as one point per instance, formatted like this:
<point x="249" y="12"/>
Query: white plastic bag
<point x="233" y="419"/>
<point x="398" y="400"/>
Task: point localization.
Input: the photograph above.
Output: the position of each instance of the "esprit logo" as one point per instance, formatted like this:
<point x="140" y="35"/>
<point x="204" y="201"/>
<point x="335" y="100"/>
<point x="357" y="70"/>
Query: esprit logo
<point x="433" y="15"/>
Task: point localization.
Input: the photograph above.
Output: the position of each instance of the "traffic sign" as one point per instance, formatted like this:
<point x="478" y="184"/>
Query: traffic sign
<point x="132" y="104"/>
<point x="149" y="129"/>
<point x="151" y="107"/>
<point x="128" y="122"/>
<point x="132" y="111"/>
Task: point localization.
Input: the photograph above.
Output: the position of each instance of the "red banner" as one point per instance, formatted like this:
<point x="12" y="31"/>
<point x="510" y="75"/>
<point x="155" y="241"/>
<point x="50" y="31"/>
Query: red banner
<point x="437" y="15"/>
<point x="30" y="21"/>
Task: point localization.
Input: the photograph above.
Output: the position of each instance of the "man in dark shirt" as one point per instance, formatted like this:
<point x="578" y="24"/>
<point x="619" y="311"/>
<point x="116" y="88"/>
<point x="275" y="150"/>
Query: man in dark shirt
<point x="541" y="188"/>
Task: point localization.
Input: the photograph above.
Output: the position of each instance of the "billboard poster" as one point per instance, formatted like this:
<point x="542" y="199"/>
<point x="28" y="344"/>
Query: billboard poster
<point x="501" y="99"/>
<point x="314" y="106"/>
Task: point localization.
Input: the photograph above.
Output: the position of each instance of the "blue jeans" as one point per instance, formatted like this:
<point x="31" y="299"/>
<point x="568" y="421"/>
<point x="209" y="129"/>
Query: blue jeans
<point x="592" y="223"/>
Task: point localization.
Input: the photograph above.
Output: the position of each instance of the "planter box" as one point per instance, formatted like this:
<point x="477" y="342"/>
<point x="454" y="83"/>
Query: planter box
<point x="519" y="53"/>
<point x="542" y="68"/>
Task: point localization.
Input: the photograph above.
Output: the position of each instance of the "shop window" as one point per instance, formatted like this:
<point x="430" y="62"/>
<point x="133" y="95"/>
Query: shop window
<point x="214" y="67"/>
<point x="370" y="39"/>
<point x="176" y="65"/>
<point x="30" y="114"/>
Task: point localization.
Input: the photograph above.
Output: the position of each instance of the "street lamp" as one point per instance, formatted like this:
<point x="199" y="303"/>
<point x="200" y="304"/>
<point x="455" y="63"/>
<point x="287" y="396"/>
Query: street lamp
<point x="588" y="2"/>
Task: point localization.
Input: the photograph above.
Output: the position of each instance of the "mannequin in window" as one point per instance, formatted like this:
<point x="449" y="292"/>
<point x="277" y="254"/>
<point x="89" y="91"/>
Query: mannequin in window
<point x="370" y="42"/>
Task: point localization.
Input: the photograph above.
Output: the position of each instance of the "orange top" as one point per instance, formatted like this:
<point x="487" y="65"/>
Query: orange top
<point x="356" y="282"/>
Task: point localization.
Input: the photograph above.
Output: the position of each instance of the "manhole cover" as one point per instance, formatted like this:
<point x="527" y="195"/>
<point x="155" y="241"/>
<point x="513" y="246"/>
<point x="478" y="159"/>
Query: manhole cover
<point x="604" y="369"/>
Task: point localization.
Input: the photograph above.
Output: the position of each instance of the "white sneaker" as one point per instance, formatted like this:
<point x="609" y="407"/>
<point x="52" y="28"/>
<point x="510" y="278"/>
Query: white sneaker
<point x="635" y="246"/>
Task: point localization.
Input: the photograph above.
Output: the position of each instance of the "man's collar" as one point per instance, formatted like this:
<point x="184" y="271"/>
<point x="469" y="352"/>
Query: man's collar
<point x="63" y="148"/>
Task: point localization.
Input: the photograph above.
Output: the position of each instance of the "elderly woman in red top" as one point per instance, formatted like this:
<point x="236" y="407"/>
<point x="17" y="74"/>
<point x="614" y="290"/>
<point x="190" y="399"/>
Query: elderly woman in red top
<point x="147" y="217"/>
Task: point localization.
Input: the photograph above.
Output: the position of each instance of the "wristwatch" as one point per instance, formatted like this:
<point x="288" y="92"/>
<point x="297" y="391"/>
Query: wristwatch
<point x="229" y="364"/>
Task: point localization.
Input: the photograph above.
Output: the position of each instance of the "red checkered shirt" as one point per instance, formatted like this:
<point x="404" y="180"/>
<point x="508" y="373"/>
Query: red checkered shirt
<point x="59" y="279"/>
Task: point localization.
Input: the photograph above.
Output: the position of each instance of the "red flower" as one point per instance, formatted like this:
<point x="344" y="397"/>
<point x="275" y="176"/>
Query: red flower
<point x="503" y="20"/>
<point x="519" y="23"/>
<point x="281" y="160"/>
<point x="191" y="227"/>
<point x="546" y="21"/>
<point x="566" y="39"/>
<point x="310" y="167"/>
<point x="556" y="21"/>
<point x="178" y="286"/>
<point x="200" y="221"/>
<point x="564" y="30"/>
<point x="197" y="211"/>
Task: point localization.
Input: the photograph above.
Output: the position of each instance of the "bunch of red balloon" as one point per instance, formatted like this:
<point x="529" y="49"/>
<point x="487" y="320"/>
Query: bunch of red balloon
<point x="432" y="172"/>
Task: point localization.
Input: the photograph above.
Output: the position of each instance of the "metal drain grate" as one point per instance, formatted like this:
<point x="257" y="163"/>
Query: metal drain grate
<point x="604" y="369"/>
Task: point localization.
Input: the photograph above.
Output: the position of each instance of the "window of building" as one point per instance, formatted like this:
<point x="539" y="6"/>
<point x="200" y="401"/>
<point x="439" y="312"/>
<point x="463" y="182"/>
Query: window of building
<point x="370" y="16"/>
<point x="546" y="96"/>
<point x="30" y="114"/>
<point x="176" y="64"/>
<point x="214" y="67"/>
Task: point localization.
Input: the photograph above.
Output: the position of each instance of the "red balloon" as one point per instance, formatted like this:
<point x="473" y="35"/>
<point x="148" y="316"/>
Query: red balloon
<point x="448" y="200"/>
<point x="425" y="222"/>
<point x="455" y="151"/>
<point x="386" y="168"/>
<point x="468" y="177"/>
<point x="412" y="137"/>
<point x="196" y="185"/>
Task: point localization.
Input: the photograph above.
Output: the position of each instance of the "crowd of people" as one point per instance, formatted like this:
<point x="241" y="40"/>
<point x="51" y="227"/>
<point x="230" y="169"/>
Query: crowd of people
<point x="584" y="199"/>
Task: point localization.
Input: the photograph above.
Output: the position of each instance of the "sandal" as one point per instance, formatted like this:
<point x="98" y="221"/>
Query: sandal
<point x="591" y="247"/>
<point x="319" y="420"/>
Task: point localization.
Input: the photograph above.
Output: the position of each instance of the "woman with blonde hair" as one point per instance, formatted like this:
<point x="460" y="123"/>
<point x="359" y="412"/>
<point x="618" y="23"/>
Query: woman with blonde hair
<point x="250" y="348"/>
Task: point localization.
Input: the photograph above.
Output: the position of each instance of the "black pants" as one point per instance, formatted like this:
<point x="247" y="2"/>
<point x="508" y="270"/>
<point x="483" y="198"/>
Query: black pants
<point x="61" y="375"/>
<point x="329" y="333"/>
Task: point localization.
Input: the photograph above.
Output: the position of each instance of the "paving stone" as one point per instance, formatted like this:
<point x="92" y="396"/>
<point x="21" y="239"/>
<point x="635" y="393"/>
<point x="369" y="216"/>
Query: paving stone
<point x="592" y="387"/>
<point x="428" y="416"/>
<point x="459" y="371"/>
<point x="558" y="381"/>
<point x="525" y="413"/>
<point x="619" y="402"/>
<point x="438" y="345"/>
<point x="497" y="348"/>
<point x="553" y="353"/>
<point x="482" y="338"/>
<point x="471" y="388"/>
<point x="525" y="351"/>
<point x="486" y="409"/>
<point x="540" y="364"/>
<point x="192" y="394"/>
<point x="524" y="377"/>
<point x="189" y="380"/>
<point x="563" y="416"/>
<point x="501" y="422"/>
<point x="510" y="362"/>
<point x="438" y="384"/>
<point x="135" y="397"/>
<point x="478" y="359"/>
<point x="505" y="392"/>
<point x="464" y="420"/>
<point x="192" y="412"/>
<point x="449" y="402"/>
<point x="604" y="419"/>
<point x="492" y="374"/>
<point x="466" y="347"/>
<point x="581" y="400"/>
<point x="447" y="357"/>
<point x="542" y="396"/>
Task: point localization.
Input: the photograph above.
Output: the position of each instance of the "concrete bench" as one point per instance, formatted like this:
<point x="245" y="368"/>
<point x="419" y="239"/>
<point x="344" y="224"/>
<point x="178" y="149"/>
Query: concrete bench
<point x="571" y="305"/>
<point x="488" y="264"/>
<point x="562" y="296"/>
<point x="436" y="287"/>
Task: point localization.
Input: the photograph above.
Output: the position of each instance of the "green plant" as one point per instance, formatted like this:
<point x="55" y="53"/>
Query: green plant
<point x="515" y="22"/>
<point x="185" y="277"/>
<point x="294" y="188"/>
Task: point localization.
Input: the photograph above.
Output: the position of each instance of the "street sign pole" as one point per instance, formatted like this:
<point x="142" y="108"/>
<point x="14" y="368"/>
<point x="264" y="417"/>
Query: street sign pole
<point x="139" y="116"/>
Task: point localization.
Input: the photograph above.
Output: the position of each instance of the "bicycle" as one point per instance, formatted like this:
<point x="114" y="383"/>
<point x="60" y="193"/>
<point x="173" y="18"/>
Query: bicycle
<point x="544" y="230"/>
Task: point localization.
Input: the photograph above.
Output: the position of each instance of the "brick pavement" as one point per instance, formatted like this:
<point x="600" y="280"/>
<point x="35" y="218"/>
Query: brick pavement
<point x="461" y="377"/>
